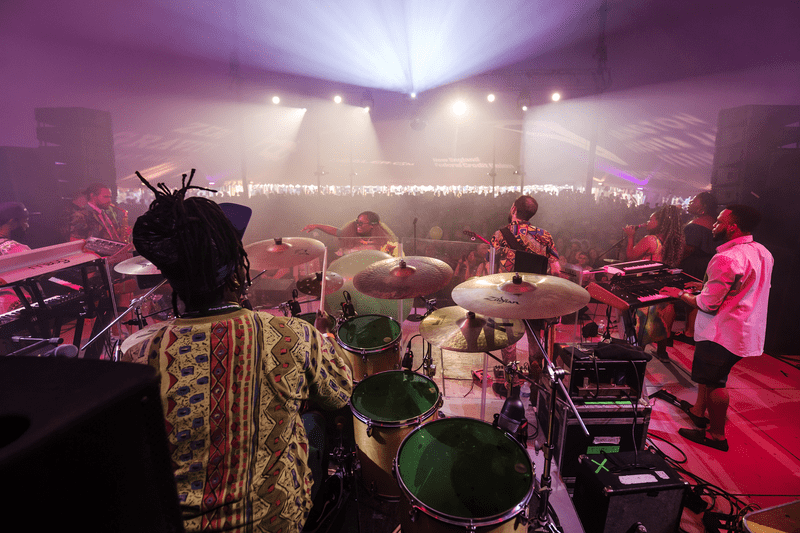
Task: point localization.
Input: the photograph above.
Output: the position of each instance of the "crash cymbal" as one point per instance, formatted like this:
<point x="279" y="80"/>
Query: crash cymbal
<point x="136" y="266"/>
<point x="312" y="284"/>
<point x="142" y="334"/>
<point x="284" y="252"/>
<point x="455" y="328"/>
<point x="398" y="278"/>
<point x="520" y="295"/>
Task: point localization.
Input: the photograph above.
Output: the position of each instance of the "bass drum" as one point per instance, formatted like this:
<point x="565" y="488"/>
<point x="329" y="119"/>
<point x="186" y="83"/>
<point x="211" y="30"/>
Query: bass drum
<point x="387" y="407"/>
<point x="462" y="474"/>
<point x="348" y="266"/>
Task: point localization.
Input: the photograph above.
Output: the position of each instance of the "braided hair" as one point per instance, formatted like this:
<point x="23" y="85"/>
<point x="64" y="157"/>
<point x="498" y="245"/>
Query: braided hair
<point x="193" y="244"/>
<point x="670" y="231"/>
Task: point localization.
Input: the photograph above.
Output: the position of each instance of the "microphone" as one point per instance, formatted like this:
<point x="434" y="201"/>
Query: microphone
<point x="52" y="340"/>
<point x="348" y="310"/>
<point x="65" y="350"/>
<point x="408" y="357"/>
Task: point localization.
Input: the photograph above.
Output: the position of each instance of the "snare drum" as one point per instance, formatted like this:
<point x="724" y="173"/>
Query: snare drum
<point x="462" y="474"/>
<point x="387" y="407"/>
<point x="373" y="342"/>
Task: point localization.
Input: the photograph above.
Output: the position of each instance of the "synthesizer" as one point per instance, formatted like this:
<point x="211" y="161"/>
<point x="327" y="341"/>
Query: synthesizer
<point x="631" y="291"/>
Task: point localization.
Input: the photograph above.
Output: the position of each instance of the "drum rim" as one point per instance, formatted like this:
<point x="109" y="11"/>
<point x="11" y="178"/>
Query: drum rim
<point x="499" y="518"/>
<point x="417" y="420"/>
<point x="376" y="349"/>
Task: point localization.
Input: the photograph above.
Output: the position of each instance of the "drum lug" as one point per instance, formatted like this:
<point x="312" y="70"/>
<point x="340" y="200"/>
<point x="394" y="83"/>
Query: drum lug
<point x="369" y="429"/>
<point x="412" y="514"/>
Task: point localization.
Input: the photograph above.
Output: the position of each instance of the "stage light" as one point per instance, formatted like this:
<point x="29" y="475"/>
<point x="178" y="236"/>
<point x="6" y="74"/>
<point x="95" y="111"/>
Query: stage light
<point x="337" y="99"/>
<point x="524" y="100"/>
<point x="413" y="95"/>
<point x="556" y="96"/>
<point x="367" y="102"/>
<point x="276" y="100"/>
<point x="459" y="107"/>
<point x="490" y="97"/>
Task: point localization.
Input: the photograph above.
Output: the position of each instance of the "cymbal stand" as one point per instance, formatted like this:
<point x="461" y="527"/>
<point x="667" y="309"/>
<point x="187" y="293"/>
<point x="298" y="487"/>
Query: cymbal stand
<point x="545" y="484"/>
<point x="135" y="304"/>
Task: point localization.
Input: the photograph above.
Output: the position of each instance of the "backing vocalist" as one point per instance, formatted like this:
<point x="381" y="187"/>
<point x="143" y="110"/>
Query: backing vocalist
<point x="663" y="244"/>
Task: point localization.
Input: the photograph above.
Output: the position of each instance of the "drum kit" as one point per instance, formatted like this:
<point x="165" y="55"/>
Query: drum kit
<point x="405" y="451"/>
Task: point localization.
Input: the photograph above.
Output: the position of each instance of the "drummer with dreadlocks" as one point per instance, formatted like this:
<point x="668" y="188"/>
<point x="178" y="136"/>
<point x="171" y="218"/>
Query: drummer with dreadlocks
<point x="232" y="379"/>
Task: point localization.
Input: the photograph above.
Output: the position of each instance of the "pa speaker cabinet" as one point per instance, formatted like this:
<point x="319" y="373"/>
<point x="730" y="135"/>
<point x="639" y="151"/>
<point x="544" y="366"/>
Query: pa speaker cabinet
<point x="83" y="446"/>
<point x="618" y="492"/>
<point x="613" y="425"/>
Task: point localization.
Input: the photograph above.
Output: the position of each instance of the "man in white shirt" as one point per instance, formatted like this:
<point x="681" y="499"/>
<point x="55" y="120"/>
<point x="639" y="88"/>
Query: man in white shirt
<point x="731" y="321"/>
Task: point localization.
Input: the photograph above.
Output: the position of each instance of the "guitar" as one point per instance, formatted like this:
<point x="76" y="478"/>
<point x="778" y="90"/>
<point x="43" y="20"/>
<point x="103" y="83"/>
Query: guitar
<point x="472" y="235"/>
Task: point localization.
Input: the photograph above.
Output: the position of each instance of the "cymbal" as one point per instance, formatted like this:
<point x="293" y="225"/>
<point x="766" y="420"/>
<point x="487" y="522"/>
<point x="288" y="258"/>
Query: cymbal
<point x="398" y="278"/>
<point x="136" y="266"/>
<point x="312" y="284"/>
<point x="141" y="335"/>
<point x="454" y="328"/>
<point x="520" y="295"/>
<point x="283" y="252"/>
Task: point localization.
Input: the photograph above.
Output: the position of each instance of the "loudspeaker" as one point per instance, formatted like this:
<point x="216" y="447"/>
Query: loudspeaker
<point x="613" y="425"/>
<point x="619" y="492"/>
<point x="80" y="141"/>
<point x="83" y="446"/>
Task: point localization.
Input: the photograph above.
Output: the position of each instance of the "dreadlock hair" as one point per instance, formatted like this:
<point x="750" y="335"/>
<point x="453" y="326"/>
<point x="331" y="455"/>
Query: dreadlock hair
<point x="193" y="244"/>
<point x="670" y="231"/>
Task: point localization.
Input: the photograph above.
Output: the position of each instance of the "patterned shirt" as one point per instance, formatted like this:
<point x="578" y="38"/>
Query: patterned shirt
<point x="733" y="302"/>
<point x="101" y="223"/>
<point x="536" y="240"/>
<point x="231" y="387"/>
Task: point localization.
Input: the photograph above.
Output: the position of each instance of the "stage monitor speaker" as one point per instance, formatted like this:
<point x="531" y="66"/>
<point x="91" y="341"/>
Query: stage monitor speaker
<point x="83" y="446"/>
<point x="614" y="426"/>
<point x="628" y="492"/>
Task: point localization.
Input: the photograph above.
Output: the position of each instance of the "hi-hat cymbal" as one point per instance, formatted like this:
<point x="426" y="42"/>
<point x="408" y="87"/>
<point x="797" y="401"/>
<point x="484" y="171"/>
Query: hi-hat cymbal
<point x="455" y="328"/>
<point x="136" y="266"/>
<point x="520" y="295"/>
<point x="284" y="252"/>
<point x="399" y="278"/>
<point x="312" y="284"/>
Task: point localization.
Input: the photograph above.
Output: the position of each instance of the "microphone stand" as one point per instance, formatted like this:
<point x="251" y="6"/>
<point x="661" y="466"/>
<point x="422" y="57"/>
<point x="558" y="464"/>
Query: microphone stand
<point x="135" y="304"/>
<point x="618" y="244"/>
<point x="556" y="376"/>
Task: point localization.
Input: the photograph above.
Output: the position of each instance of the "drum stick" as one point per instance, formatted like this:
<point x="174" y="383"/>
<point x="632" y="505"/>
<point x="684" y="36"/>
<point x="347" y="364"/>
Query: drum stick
<point x="322" y="283"/>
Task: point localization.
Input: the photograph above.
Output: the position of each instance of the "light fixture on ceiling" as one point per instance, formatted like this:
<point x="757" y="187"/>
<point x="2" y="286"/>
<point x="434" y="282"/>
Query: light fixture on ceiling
<point x="367" y="102"/>
<point x="524" y="100"/>
<point x="337" y="99"/>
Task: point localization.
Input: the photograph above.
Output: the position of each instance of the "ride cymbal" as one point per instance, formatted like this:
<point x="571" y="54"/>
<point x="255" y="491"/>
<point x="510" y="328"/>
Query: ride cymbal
<point x="454" y="328"/>
<point x="136" y="266"/>
<point x="520" y="295"/>
<point x="286" y="252"/>
<point x="312" y="285"/>
<point x="399" y="278"/>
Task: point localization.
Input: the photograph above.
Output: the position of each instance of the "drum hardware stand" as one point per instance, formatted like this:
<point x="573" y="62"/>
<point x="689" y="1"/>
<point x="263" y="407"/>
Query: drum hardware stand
<point x="511" y="417"/>
<point x="430" y="305"/>
<point x="136" y="305"/>
<point x="544" y="525"/>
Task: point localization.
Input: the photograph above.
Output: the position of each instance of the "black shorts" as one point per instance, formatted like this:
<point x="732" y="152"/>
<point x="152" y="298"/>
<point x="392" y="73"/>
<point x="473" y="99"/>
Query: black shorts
<point x="712" y="364"/>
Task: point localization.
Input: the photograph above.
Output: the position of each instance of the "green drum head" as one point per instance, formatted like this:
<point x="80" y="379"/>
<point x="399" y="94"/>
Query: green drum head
<point x="465" y="468"/>
<point x="369" y="333"/>
<point x="308" y="317"/>
<point x="394" y="396"/>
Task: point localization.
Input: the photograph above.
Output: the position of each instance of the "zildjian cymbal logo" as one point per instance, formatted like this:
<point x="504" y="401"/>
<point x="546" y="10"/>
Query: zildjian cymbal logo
<point x="501" y="300"/>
